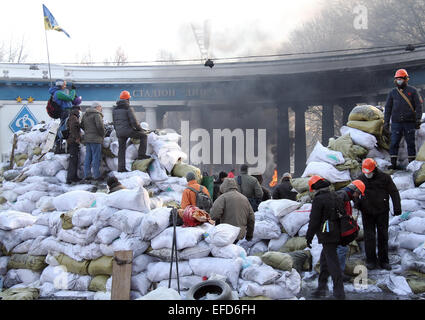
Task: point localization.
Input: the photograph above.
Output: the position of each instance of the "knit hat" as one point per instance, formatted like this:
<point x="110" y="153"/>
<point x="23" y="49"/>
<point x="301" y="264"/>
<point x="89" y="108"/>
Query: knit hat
<point x="59" y="82"/>
<point x="244" y="168"/>
<point x="321" y="184"/>
<point x="95" y="104"/>
<point x="190" y="176"/>
<point x="287" y="176"/>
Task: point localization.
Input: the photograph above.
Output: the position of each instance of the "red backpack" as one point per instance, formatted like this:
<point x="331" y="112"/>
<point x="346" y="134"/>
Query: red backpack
<point x="53" y="109"/>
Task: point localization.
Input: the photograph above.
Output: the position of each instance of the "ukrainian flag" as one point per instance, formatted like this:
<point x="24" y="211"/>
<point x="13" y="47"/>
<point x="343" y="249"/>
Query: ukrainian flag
<point x="50" y="21"/>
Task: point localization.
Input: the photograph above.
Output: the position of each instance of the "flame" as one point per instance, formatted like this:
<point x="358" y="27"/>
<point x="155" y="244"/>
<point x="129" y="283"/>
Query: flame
<point x="274" y="179"/>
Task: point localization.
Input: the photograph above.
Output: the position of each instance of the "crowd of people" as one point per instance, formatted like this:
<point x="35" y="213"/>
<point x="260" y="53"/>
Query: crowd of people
<point x="235" y="197"/>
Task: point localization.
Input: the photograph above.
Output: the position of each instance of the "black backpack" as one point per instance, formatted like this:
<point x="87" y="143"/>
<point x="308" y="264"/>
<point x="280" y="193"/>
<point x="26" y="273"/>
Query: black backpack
<point x="203" y="201"/>
<point x="348" y="226"/>
<point x="53" y="109"/>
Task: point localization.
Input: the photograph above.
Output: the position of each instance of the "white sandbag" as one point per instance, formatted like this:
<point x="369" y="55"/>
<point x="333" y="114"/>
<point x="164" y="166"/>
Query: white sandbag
<point x="158" y="271"/>
<point x="413" y="194"/>
<point x="11" y="219"/>
<point x="321" y="153"/>
<point x="10" y="195"/>
<point x="131" y="152"/>
<point x="125" y="242"/>
<point x="359" y="137"/>
<point x="61" y="176"/>
<point x="263" y="274"/>
<point x="141" y="283"/>
<point x="137" y="200"/>
<point x="128" y="221"/>
<point x="414" y="165"/>
<point x="84" y="217"/>
<point x="223" y="235"/>
<point x="141" y="262"/>
<point x="416" y="225"/>
<point x="201" y="250"/>
<point x="107" y="235"/>
<point x="25" y="276"/>
<point x="259" y="247"/>
<point x="186" y="238"/>
<point x="293" y="221"/>
<point x="51" y="168"/>
<point x="156" y="171"/>
<point x="133" y="182"/>
<point x="279" y="207"/>
<point x="410" y="241"/>
<point x="73" y="200"/>
<point x="162" y="293"/>
<point x="409" y="205"/>
<point x="266" y="216"/>
<point x="47" y="290"/>
<point x="266" y="229"/>
<point x="10" y="239"/>
<point x="69" y="294"/>
<point x="45" y="204"/>
<point x="77" y="235"/>
<point x="37" y="247"/>
<point x="403" y="180"/>
<point x="326" y="171"/>
<point x="303" y="231"/>
<point x="44" y="219"/>
<point x="276" y="244"/>
<point x="123" y="176"/>
<point x="231" y="251"/>
<point x="154" y="223"/>
<point x="28" y="187"/>
<point x="230" y="268"/>
<point x="33" y="195"/>
<point x="34" y="231"/>
<point x="3" y="264"/>
<point x="185" y="283"/>
<point x="23" y="247"/>
<point x="382" y="164"/>
<point x="24" y="206"/>
<point x="398" y="285"/>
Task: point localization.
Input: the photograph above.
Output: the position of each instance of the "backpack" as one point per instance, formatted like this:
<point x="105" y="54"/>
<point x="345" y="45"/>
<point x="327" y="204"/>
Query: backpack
<point x="53" y="109"/>
<point x="203" y="201"/>
<point x="348" y="226"/>
<point x="65" y="131"/>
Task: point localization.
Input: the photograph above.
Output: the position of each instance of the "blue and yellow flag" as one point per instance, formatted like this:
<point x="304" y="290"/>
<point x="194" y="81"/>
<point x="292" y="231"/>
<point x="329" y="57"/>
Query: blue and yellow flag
<point x="50" y="21"/>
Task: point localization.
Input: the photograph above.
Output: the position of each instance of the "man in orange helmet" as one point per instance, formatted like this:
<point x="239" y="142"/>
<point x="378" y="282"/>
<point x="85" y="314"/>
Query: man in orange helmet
<point x="126" y="126"/>
<point x="404" y="109"/>
<point x="374" y="206"/>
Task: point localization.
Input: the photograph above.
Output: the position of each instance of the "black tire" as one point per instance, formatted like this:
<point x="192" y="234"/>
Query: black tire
<point x="201" y="289"/>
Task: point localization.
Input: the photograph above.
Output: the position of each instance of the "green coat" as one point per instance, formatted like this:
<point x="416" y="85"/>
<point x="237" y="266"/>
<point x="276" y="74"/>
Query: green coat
<point x="92" y="124"/>
<point x="250" y="187"/>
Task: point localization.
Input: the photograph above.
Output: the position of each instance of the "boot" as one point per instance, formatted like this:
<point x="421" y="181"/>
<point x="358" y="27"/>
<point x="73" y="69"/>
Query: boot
<point x="393" y="163"/>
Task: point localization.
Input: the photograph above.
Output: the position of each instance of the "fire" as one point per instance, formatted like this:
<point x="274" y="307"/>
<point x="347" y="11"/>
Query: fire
<point x="274" y="179"/>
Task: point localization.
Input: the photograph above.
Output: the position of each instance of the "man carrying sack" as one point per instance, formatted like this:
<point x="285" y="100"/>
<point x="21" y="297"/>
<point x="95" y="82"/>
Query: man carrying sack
<point x="404" y="109"/>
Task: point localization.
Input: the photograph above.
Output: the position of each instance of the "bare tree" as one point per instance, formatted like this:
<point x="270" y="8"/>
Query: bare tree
<point x="14" y="52"/>
<point x="120" y="58"/>
<point x="165" y="57"/>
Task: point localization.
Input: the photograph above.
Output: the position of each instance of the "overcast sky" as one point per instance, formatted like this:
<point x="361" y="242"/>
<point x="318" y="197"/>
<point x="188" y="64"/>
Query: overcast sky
<point x="143" y="28"/>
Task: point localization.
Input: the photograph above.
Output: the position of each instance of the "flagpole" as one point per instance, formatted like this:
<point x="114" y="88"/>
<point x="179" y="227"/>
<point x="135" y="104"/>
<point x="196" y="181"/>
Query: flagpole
<point x="48" y="58"/>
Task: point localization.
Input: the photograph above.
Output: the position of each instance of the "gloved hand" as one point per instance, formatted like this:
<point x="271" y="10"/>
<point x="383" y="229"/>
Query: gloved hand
<point x="397" y="212"/>
<point x="309" y="240"/>
<point x="418" y="125"/>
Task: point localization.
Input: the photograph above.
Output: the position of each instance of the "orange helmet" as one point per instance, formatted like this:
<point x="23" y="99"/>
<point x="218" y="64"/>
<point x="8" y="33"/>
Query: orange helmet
<point x="313" y="180"/>
<point x="125" y="95"/>
<point x="359" y="185"/>
<point x="368" y="165"/>
<point x="401" y="73"/>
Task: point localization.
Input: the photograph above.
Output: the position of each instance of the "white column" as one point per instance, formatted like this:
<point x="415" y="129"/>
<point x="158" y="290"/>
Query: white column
<point x="151" y="117"/>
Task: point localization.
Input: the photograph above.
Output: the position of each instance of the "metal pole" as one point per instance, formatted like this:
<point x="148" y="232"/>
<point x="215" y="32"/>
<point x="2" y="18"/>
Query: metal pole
<point x="48" y="58"/>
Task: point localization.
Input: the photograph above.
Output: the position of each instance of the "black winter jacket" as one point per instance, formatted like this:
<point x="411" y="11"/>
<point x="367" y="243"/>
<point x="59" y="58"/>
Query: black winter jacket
<point x="323" y="208"/>
<point x="283" y="191"/>
<point x="124" y="119"/>
<point x="378" y="191"/>
<point x="398" y="110"/>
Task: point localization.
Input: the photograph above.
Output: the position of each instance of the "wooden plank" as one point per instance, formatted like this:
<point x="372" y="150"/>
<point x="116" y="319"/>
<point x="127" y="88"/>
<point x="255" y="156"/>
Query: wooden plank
<point x="121" y="275"/>
<point x="12" y="154"/>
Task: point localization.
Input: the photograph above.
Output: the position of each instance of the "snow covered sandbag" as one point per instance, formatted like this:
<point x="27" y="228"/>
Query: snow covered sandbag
<point x="416" y="225"/>
<point x="276" y="244"/>
<point x="162" y="293"/>
<point x="128" y="221"/>
<point x="141" y="262"/>
<point x="125" y="242"/>
<point x="413" y="194"/>
<point x="266" y="229"/>
<point x="359" y="137"/>
<point x="186" y="237"/>
<point x="84" y="217"/>
<point x="3" y="264"/>
<point x="321" y="153"/>
<point x="45" y="204"/>
<point x="107" y="235"/>
<point x="263" y="274"/>
<point x="141" y="283"/>
<point x="34" y="231"/>
<point x="51" y="168"/>
<point x="410" y="241"/>
<point x="10" y="195"/>
<point x="327" y="171"/>
<point x="223" y="235"/>
<point x="10" y="239"/>
<point x="410" y="205"/>
<point x="137" y="200"/>
<point x="293" y="221"/>
<point x="279" y="207"/>
<point x="158" y="271"/>
<point x="23" y="247"/>
<point x="154" y="223"/>
<point x="22" y="189"/>
<point x="25" y="205"/>
<point x="73" y="200"/>
<point x="33" y="195"/>
<point x="61" y="176"/>
<point x="230" y="268"/>
<point x="403" y="180"/>
<point x="231" y="251"/>
<point x="37" y="247"/>
<point x="11" y="219"/>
